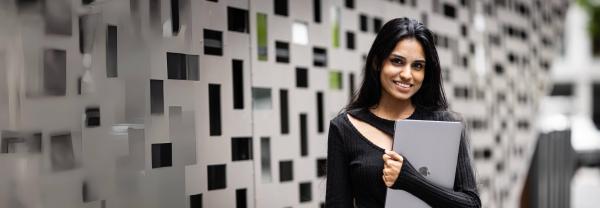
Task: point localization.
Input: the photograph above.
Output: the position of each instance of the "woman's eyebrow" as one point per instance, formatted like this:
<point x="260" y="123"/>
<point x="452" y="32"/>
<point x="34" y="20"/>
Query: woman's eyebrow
<point x="402" y="57"/>
<point x="397" y="56"/>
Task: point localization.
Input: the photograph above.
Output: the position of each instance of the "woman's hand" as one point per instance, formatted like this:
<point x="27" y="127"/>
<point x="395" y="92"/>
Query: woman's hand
<point x="392" y="163"/>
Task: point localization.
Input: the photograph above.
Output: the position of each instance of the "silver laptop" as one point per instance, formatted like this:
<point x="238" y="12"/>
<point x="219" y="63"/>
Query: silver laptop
<point x="432" y="149"/>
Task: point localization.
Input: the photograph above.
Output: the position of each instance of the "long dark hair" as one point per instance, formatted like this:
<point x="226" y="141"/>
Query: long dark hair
<point x="430" y="96"/>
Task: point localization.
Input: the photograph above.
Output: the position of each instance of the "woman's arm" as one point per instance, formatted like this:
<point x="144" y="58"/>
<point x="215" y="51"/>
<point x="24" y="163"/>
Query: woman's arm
<point x="339" y="191"/>
<point x="464" y="193"/>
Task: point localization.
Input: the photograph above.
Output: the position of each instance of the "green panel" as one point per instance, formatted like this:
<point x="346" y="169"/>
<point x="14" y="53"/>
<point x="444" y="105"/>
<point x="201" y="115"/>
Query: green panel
<point x="335" y="16"/>
<point x="335" y="80"/>
<point x="261" y="32"/>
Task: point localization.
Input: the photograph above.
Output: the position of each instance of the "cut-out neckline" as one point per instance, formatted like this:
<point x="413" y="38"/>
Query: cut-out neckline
<point x="356" y="130"/>
<point x="382" y="125"/>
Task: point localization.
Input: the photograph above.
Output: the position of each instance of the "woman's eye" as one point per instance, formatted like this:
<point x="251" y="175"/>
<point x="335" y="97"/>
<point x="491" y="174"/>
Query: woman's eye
<point x="419" y="66"/>
<point x="397" y="61"/>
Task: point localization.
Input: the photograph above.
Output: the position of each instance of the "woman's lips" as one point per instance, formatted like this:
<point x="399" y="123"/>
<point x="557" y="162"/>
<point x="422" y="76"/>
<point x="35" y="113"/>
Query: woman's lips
<point x="402" y="86"/>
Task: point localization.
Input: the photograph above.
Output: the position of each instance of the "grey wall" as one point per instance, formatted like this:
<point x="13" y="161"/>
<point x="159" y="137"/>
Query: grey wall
<point x="142" y="104"/>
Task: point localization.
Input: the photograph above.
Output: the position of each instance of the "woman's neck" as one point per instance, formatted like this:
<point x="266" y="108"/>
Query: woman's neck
<point x="392" y="108"/>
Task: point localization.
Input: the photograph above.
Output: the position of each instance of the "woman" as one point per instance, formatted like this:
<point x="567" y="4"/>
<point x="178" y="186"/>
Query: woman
<point x="402" y="80"/>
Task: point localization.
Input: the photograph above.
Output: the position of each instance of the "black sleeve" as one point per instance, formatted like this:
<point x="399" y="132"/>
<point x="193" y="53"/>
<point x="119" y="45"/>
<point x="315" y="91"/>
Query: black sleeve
<point x="339" y="192"/>
<point x="464" y="193"/>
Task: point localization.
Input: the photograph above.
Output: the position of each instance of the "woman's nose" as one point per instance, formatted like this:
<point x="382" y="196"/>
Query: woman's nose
<point x="405" y="72"/>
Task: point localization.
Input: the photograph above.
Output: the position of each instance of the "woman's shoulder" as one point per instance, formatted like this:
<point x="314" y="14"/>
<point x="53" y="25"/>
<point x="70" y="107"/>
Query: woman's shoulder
<point x="340" y="118"/>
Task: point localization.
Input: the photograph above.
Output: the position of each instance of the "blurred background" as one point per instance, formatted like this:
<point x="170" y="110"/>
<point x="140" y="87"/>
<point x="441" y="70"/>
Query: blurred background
<point x="226" y="103"/>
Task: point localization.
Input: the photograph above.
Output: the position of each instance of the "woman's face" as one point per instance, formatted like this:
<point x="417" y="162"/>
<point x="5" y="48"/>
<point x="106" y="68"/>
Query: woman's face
<point x="403" y="71"/>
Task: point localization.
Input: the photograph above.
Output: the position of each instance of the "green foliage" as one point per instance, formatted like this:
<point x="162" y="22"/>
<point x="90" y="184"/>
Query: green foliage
<point x="593" y="9"/>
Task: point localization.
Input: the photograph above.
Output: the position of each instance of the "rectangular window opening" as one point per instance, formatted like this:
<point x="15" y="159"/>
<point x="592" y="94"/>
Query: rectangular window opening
<point x="111" y="51"/>
<point x="350" y="40"/>
<point x="282" y="52"/>
<point x="320" y="113"/>
<point x="237" y="20"/>
<point x="241" y="148"/>
<point x="175" y="24"/>
<point x="214" y="106"/>
<point x="156" y="97"/>
<point x="317" y="11"/>
<point x="281" y="7"/>
<point x="303" y="135"/>
<point x="321" y="167"/>
<point x="161" y="155"/>
<point x="238" y="83"/>
<point x="319" y="57"/>
<point x="261" y="98"/>
<point x="301" y="77"/>
<point x="305" y="192"/>
<point x="196" y="201"/>
<point x="284" y="112"/>
<point x="241" y="198"/>
<point x="213" y="42"/>
<point x="92" y="116"/>
<point x="286" y="171"/>
<point x="265" y="159"/>
<point x="363" y="20"/>
<point x="217" y="177"/>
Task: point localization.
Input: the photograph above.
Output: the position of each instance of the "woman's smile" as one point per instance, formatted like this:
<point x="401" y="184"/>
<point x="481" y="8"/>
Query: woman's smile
<point x="403" y="87"/>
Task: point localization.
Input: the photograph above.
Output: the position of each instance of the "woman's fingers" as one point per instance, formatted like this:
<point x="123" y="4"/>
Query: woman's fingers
<point x="394" y="155"/>
<point x="392" y="163"/>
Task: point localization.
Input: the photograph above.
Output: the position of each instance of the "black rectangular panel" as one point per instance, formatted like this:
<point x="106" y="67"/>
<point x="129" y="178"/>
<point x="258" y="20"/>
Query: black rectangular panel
<point x="350" y="40"/>
<point x="317" y="10"/>
<point x="319" y="57"/>
<point x="157" y="101"/>
<point x="161" y="155"/>
<point x="363" y="20"/>
<point x="213" y="42"/>
<point x="305" y="192"/>
<point x="377" y="23"/>
<point x="321" y="167"/>
<point x="303" y="135"/>
<point x="111" y="51"/>
<point x="196" y="201"/>
<point x="281" y="7"/>
<point x="349" y="4"/>
<point x="241" y="198"/>
<point x="238" y="83"/>
<point x="449" y="11"/>
<point x="175" y="16"/>
<point x="282" y="52"/>
<point x="92" y="116"/>
<point x="351" y="85"/>
<point x="284" y="111"/>
<point x="286" y="170"/>
<point x="214" y="108"/>
<point x="217" y="177"/>
<point x="301" y="77"/>
<point x="176" y="66"/>
<point x="241" y="148"/>
<point x="320" y="113"/>
<point x="237" y="20"/>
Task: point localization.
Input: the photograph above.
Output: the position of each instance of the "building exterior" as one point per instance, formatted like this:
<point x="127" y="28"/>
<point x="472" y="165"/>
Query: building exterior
<point x="198" y="103"/>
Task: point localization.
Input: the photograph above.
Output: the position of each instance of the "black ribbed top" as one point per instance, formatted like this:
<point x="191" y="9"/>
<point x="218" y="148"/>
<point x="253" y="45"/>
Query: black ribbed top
<point x="355" y="165"/>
